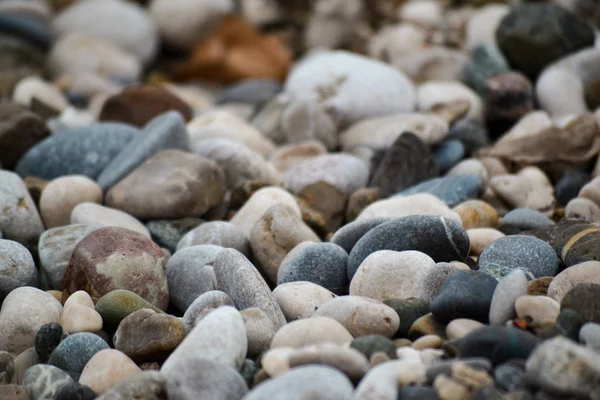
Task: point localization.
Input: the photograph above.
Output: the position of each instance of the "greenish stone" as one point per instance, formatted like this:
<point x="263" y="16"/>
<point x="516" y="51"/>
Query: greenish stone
<point x="116" y="305"/>
<point x="486" y="62"/>
<point x="370" y="344"/>
<point x="409" y="310"/>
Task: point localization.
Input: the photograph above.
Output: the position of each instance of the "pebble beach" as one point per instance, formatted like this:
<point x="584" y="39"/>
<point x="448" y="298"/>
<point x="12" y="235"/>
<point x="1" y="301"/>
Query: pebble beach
<point x="299" y="200"/>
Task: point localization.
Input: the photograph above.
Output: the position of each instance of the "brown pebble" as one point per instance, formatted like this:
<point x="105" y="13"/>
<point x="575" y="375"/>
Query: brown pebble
<point x="359" y="200"/>
<point x="539" y="286"/>
<point x="378" y="357"/>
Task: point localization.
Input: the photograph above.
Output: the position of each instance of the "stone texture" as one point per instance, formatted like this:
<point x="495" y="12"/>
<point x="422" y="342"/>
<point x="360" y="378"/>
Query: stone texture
<point x="299" y="300"/>
<point x="203" y="305"/>
<point x="74" y="352"/>
<point x="105" y="369"/>
<point x="20" y="130"/>
<point x="17" y="267"/>
<point x="117" y="304"/>
<point x="43" y="381"/>
<point x="99" y="216"/>
<point x="313" y="330"/>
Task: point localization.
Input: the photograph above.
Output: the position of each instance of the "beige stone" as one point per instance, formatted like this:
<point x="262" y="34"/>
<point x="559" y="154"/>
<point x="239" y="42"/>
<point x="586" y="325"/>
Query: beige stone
<point x="107" y="368"/>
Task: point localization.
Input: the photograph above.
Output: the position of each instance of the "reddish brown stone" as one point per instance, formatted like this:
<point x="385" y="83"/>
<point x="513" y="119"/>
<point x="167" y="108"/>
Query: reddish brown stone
<point x="117" y="258"/>
<point x="20" y="130"/>
<point x="235" y="52"/>
<point x="137" y="106"/>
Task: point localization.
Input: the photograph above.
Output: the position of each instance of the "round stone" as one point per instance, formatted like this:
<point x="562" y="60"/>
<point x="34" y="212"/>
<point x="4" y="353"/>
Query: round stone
<point x="309" y="331"/>
<point x="73" y="353"/>
<point x="117" y="304"/>
<point x="17" y="267"/>
<point x="105" y="369"/>
<point x="299" y="300"/>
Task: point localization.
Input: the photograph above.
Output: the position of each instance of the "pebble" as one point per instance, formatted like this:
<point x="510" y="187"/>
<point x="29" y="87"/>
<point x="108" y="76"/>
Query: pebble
<point x="24" y="311"/>
<point x="561" y="366"/>
<point x="219" y="337"/>
<point x="477" y="214"/>
<point x="361" y="316"/>
<point x="516" y="29"/>
<point x="63" y="194"/>
<point x="482" y="25"/>
<point x="585" y="272"/>
<point x="274" y="235"/>
<point x="535" y="257"/>
<point x="427" y="342"/>
<point x="145" y="335"/>
<point x="125" y="24"/>
<point x="433" y="93"/>
<point x="426" y="325"/>
<point x="321" y="263"/>
<point x="47" y="339"/>
<point x="524" y="219"/>
<point x="382" y="132"/>
<point x="20" y="220"/>
<point x="461" y="327"/>
<point x="465" y="294"/>
<point x="347" y="360"/>
<point x="582" y="209"/>
<point x="448" y="153"/>
<point x="81" y="151"/>
<point x="574" y="242"/>
<point x="387" y="274"/>
<point x="34" y="88"/>
<point x="406" y="162"/>
<point x="117" y="304"/>
<point x="509" y="289"/>
<point x="589" y="335"/>
<point x="570" y="184"/>
<point x="308" y="331"/>
<point x="105" y="369"/>
<point x="583" y="298"/>
<point x="385" y="380"/>
<point x="305" y="120"/>
<point x="351" y="79"/>
<point x="290" y="155"/>
<point x="239" y="162"/>
<point x="480" y="238"/>
<point x="96" y="215"/>
<point x="190" y="274"/>
<point x="79" y="314"/>
<point x="13" y="392"/>
<point x="530" y="188"/>
<point x="409" y="310"/>
<point x="299" y="299"/>
<point x="348" y="235"/>
<point x="203" y="305"/>
<point x="75" y="390"/>
<point x="43" y="381"/>
<point x="193" y="377"/>
<point x="151" y="384"/>
<point x="498" y="344"/>
<point x="473" y="134"/>
<point x="241" y="281"/>
<point x="17" y="267"/>
<point x="372" y="344"/>
<point x="452" y="190"/>
<point x="419" y="233"/>
<point x="98" y="266"/>
<point x="256" y="92"/>
<point x="540" y="312"/>
<point x="404" y="206"/>
<point x="22" y="363"/>
<point x="158" y="175"/>
<point x="19" y="131"/>
<point x="259" y="331"/>
<point x="258" y="204"/>
<point x="74" y="352"/>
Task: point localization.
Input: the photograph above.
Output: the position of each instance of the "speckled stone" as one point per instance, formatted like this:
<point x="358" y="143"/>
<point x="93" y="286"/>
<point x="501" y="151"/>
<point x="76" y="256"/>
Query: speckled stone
<point x="47" y="339"/>
<point x="438" y="237"/>
<point x="218" y="233"/>
<point x="321" y="263"/>
<point x="452" y="190"/>
<point x="524" y="219"/>
<point x="43" y="381"/>
<point x="465" y="294"/>
<point x="535" y="257"/>
<point x="76" y="350"/>
<point x="82" y="151"/>
<point x="17" y="267"/>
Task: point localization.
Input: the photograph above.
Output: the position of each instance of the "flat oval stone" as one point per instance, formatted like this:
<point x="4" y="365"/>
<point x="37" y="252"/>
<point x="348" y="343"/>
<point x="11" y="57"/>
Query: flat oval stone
<point x="465" y="294"/>
<point x="303" y="382"/>
<point x="477" y="214"/>
<point x="524" y="219"/>
<point x="24" y="311"/>
<point x="117" y="304"/>
<point x="73" y="353"/>
<point x="508" y="290"/>
<point x="586" y="272"/>
<point x="203" y="305"/>
<point x="348" y="235"/>
<point x="452" y="190"/>
<point x="361" y="315"/>
<point x="299" y="300"/>
<point x="17" y="267"/>
<point x="313" y="330"/>
<point x="534" y="256"/>
<point x="575" y="242"/>
<point x="438" y="237"/>
<point x="82" y="151"/>
<point x="218" y="337"/>
<point x="189" y="274"/>
<point x="480" y="238"/>
<point x="98" y="266"/>
<point x="461" y="327"/>
<point x="218" y="233"/>
<point x="321" y="263"/>
<point x="99" y="215"/>
<point x="403" y="206"/>
<point x="238" y="278"/>
<point x="146" y="335"/>
<point x="43" y="381"/>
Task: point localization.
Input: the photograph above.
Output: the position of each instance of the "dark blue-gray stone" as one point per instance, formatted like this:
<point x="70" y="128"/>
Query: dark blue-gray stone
<point x="464" y="294"/>
<point x="83" y="151"/>
<point x="498" y="344"/>
<point x="167" y="131"/>
<point x="370" y="344"/>
<point x="524" y="219"/>
<point x="255" y="92"/>
<point x="168" y="232"/>
<point x="47" y="339"/>
<point x="448" y="153"/>
<point x="417" y="393"/>
<point x="486" y="62"/>
<point x="472" y="134"/>
<point x="347" y="236"/>
<point x="569" y="185"/>
<point x="75" y="391"/>
<point x="510" y="377"/>
<point x="452" y="190"/>
<point x="534" y="256"/>
<point x="320" y="263"/>
<point x="75" y="351"/>
<point x="440" y="238"/>
<point x="27" y="28"/>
